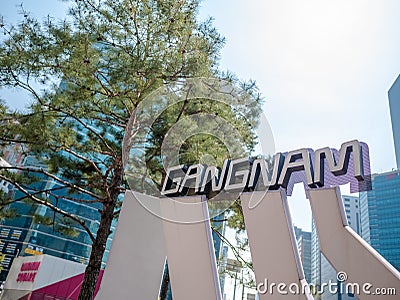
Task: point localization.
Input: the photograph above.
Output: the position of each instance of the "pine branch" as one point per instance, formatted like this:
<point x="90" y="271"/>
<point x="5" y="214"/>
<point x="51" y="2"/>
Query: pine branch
<point x="56" y="178"/>
<point x="79" y="120"/>
<point x="74" y="199"/>
<point x="235" y="252"/>
<point x="51" y="206"/>
<point x="85" y="159"/>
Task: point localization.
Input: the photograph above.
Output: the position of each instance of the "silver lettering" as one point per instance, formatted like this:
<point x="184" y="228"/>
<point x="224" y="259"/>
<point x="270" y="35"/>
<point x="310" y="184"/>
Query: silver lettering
<point x="338" y="168"/>
<point x="296" y="161"/>
<point x="170" y="180"/>
<point x="214" y="177"/>
<point x="192" y="180"/>
<point x="239" y="168"/>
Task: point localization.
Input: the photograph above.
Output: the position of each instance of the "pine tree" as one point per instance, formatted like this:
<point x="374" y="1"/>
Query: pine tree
<point x="85" y="76"/>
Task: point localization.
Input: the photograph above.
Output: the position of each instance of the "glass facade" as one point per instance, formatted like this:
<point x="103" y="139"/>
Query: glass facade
<point x="27" y="234"/>
<point x="380" y="216"/>
<point x="394" y="103"/>
<point x="303" y="239"/>
<point x="315" y="257"/>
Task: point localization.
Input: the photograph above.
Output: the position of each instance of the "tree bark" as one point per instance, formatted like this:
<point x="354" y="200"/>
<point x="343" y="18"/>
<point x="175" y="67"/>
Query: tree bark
<point x="93" y="268"/>
<point x="99" y="246"/>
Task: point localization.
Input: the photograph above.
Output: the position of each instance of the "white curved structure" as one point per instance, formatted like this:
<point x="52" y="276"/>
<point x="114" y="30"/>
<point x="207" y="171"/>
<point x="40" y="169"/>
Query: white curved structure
<point x="347" y="251"/>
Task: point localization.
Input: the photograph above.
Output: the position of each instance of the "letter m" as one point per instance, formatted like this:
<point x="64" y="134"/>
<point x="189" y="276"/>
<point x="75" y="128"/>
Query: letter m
<point x="339" y="167"/>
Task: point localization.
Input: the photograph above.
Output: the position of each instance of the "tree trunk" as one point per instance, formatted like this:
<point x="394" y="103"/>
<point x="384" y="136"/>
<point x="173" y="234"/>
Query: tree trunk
<point x="93" y="268"/>
<point x="99" y="246"/>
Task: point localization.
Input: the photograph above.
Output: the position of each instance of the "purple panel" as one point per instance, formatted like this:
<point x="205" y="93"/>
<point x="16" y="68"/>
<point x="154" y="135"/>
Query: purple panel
<point x="332" y="180"/>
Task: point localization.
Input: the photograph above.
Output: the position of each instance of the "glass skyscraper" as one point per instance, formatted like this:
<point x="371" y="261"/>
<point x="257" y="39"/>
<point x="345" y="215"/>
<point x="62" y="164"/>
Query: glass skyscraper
<point x="28" y="233"/>
<point x="394" y="103"/>
<point x="315" y="257"/>
<point x="380" y="216"/>
<point x="303" y="239"/>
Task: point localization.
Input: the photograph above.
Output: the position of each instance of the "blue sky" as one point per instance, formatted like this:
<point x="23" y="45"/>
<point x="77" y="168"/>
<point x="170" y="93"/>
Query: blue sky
<point x="324" y="68"/>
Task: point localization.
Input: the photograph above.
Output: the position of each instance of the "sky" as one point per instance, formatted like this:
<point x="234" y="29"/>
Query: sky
<point x="323" y="67"/>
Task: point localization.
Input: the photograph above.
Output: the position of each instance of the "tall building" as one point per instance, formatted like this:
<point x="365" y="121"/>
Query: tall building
<point x="315" y="257"/>
<point x="27" y="233"/>
<point x="303" y="239"/>
<point x="321" y="269"/>
<point x="394" y="104"/>
<point x="380" y="215"/>
<point x="352" y="208"/>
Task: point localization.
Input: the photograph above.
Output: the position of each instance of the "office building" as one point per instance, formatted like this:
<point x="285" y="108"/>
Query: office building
<point x="27" y="234"/>
<point x="394" y="104"/>
<point x="303" y="239"/>
<point x="380" y="215"/>
<point x="315" y="257"/>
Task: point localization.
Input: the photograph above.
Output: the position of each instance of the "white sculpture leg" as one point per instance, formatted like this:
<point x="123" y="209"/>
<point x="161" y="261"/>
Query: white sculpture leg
<point x="136" y="261"/>
<point x="273" y="246"/>
<point x="347" y="251"/>
<point x="190" y="249"/>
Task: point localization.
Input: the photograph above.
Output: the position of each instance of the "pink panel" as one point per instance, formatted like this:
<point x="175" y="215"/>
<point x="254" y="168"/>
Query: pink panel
<point x="67" y="289"/>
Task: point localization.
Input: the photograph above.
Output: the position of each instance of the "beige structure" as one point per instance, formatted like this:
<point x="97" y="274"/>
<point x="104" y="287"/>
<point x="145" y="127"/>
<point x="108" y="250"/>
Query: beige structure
<point x="136" y="260"/>
<point x="144" y="238"/>
<point x="273" y="246"/>
<point x="349" y="254"/>
<point x="190" y="250"/>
